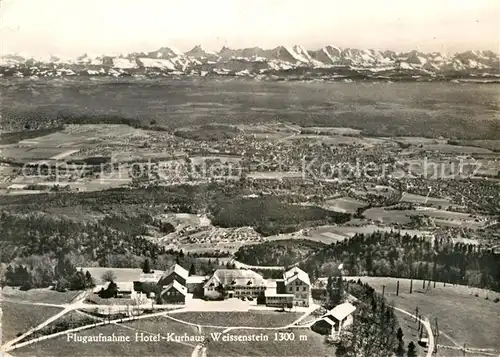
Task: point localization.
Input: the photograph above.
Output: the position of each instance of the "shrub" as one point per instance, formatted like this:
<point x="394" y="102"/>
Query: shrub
<point x="496" y="300"/>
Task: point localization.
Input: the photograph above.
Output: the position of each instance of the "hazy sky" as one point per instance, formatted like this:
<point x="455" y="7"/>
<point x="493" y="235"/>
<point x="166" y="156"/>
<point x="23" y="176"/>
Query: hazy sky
<point x="69" y="27"/>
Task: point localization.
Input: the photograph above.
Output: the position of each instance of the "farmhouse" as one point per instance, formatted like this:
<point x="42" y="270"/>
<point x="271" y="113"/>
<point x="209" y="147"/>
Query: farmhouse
<point x="175" y="272"/>
<point x="234" y="283"/>
<point x="171" y="287"/>
<point x="173" y="293"/>
<point x="125" y="289"/>
<point x="336" y="319"/>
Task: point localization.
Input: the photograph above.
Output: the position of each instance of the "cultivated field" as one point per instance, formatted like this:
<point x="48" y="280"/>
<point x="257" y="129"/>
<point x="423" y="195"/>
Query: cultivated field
<point x="462" y="316"/>
<point x="413" y="198"/>
<point x="332" y="234"/>
<point x="439" y="216"/>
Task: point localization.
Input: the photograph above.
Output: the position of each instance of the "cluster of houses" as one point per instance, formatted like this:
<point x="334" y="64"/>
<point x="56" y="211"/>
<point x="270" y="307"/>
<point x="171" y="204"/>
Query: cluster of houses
<point x="174" y="285"/>
<point x="294" y="289"/>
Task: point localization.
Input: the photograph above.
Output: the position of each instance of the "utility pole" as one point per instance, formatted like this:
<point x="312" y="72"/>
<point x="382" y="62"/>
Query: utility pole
<point x="383" y="290"/>
<point x="437" y="335"/>
<point x="416" y="313"/>
<point x="397" y="288"/>
<point x="411" y="286"/>
<point x="423" y="284"/>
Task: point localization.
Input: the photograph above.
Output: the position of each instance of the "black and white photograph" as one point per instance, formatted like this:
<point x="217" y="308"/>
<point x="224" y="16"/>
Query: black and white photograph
<point x="265" y="178"/>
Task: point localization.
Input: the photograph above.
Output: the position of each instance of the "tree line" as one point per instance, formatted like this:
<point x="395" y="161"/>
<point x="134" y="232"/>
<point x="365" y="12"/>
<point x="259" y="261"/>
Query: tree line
<point x="41" y="272"/>
<point x="388" y="254"/>
<point x="392" y="254"/>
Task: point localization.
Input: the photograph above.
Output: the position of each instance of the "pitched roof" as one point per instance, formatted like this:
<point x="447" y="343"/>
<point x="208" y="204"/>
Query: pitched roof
<point x="236" y="277"/>
<point x="328" y="320"/>
<point x="340" y="312"/>
<point x="196" y="279"/>
<point x="175" y="285"/>
<point x="152" y="277"/>
<point x="122" y="286"/>
<point x="296" y="273"/>
<point x="177" y="269"/>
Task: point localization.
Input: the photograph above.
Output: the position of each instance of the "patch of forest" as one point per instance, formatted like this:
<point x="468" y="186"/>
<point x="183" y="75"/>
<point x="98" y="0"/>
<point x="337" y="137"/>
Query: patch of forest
<point x="182" y="198"/>
<point x="208" y="132"/>
<point x="280" y="252"/>
<point x="271" y="215"/>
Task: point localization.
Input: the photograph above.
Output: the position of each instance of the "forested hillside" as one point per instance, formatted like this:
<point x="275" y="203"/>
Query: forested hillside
<point x="270" y="215"/>
<point x="393" y="255"/>
<point x="280" y="252"/>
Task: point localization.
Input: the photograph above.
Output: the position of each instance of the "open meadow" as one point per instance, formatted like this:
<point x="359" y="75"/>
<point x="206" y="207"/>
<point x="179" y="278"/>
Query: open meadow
<point x="463" y="317"/>
<point x="439" y="217"/>
<point x="61" y="346"/>
<point x="18" y="318"/>
<point x="38" y="295"/>
<point x="238" y="319"/>
<point x="333" y="234"/>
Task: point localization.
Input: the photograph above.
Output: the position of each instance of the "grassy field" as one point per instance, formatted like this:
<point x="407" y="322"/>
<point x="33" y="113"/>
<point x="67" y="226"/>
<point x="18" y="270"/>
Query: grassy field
<point x="311" y="344"/>
<point x="121" y="274"/>
<point x="345" y="204"/>
<point x="19" y="318"/>
<point x="39" y="295"/>
<point x="333" y="234"/>
<point x="250" y="319"/>
<point x="462" y="316"/>
<point x="413" y="198"/>
<point x="162" y="325"/>
<point x="60" y="346"/>
<point x="440" y="217"/>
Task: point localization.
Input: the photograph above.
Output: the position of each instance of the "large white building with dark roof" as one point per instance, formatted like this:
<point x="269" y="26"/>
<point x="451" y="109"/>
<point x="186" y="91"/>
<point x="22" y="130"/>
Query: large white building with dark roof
<point x="235" y="283"/>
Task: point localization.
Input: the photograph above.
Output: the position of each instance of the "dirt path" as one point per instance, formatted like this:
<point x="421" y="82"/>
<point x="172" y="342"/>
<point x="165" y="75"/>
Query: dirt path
<point x="427" y="325"/>
<point x="9" y="344"/>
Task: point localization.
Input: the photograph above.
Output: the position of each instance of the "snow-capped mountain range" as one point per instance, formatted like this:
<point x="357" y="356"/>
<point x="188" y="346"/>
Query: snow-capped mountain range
<point x="329" y="62"/>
